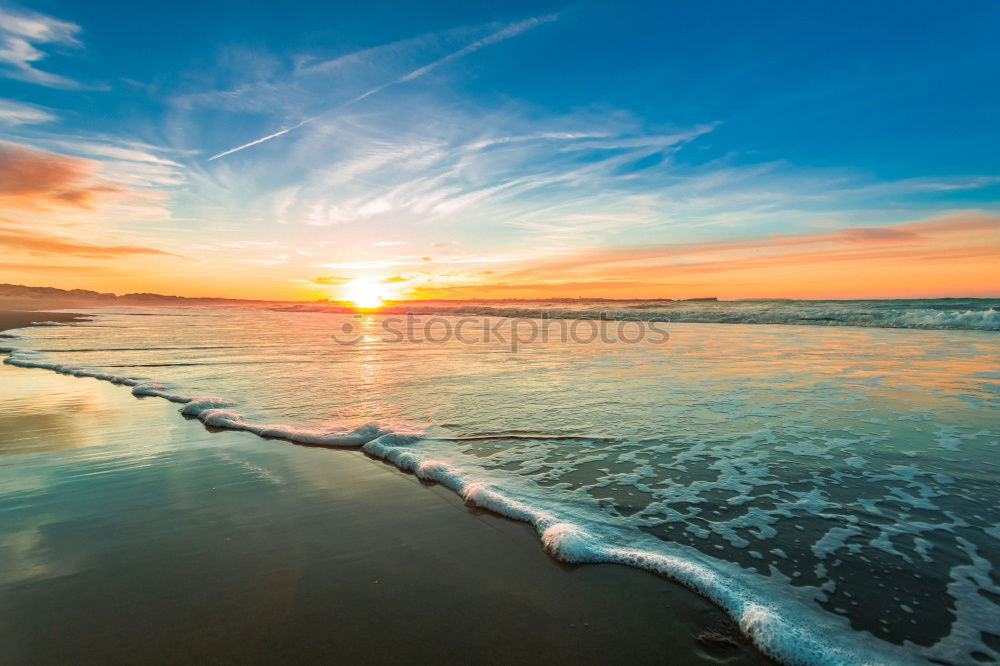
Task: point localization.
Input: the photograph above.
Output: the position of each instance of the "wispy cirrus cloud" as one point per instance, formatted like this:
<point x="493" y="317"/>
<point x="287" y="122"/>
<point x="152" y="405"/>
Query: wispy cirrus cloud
<point x="906" y="249"/>
<point x="907" y="258"/>
<point x="18" y="113"/>
<point x="57" y="269"/>
<point x="423" y="260"/>
<point x="967" y="229"/>
<point x="506" y="32"/>
<point x="128" y="163"/>
<point x="23" y="34"/>
<point x="39" y="243"/>
<point x="436" y="165"/>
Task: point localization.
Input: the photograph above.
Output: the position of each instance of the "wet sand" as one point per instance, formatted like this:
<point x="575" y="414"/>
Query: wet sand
<point x="20" y="318"/>
<point x="129" y="534"/>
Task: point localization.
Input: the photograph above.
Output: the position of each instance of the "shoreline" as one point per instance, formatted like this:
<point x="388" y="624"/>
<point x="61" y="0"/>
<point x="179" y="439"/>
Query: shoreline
<point x="11" y="319"/>
<point x="527" y="606"/>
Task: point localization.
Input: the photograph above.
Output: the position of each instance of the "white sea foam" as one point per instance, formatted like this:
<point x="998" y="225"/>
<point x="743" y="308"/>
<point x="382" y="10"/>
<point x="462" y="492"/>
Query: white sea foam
<point x="28" y="360"/>
<point x="600" y="498"/>
<point x="780" y="632"/>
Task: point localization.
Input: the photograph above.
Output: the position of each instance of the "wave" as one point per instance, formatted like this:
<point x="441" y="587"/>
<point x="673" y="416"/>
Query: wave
<point x="784" y="626"/>
<point x="864" y="314"/>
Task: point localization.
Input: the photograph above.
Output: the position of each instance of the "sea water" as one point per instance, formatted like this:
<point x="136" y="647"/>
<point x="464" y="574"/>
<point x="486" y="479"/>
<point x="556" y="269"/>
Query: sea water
<point x="829" y="478"/>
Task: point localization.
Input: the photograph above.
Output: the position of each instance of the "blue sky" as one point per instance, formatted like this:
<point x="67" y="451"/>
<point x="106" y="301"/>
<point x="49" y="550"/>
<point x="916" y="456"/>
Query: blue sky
<point x="446" y="146"/>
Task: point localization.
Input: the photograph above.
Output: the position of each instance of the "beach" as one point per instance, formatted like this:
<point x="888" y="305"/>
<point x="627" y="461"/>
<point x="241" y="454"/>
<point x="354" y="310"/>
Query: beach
<point x="523" y="332"/>
<point x="132" y="534"/>
<point x="559" y="484"/>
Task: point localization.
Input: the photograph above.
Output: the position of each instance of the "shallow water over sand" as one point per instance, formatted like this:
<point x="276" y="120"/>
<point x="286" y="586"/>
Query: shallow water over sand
<point x="833" y="488"/>
<point x="155" y="540"/>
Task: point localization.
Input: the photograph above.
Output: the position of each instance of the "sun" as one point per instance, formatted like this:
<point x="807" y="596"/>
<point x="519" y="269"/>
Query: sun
<point x="364" y="292"/>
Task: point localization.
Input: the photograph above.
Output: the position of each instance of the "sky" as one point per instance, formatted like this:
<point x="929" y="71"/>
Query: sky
<point x="446" y="149"/>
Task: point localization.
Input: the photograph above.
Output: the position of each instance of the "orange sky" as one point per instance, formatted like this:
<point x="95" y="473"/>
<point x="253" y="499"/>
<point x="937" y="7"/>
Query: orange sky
<point x="65" y="223"/>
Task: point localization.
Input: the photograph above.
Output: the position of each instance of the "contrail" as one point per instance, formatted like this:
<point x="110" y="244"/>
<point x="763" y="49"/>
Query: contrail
<point x="262" y="139"/>
<point x="498" y="36"/>
<point x="510" y="31"/>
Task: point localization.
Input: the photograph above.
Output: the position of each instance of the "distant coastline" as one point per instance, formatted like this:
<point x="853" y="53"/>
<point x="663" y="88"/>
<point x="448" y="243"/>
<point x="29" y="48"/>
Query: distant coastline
<point x="16" y="296"/>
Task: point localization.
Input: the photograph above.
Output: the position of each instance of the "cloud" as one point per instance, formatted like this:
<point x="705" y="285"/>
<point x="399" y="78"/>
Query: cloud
<point x="417" y="260"/>
<point x="548" y="288"/>
<point x="116" y="151"/>
<point x="73" y="269"/>
<point x="38" y="179"/>
<point x="37" y="243"/>
<point x="331" y="280"/>
<point x="968" y="234"/>
<point x="442" y="163"/>
<point x="19" y="113"/>
<point x="74" y="190"/>
<point x="21" y="33"/>
<point x="128" y="164"/>
<point x="509" y="31"/>
<point x="949" y="254"/>
<point x="506" y="32"/>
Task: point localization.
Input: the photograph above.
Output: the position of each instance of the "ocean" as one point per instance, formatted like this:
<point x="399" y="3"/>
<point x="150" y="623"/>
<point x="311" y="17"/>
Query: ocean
<point x="825" y="472"/>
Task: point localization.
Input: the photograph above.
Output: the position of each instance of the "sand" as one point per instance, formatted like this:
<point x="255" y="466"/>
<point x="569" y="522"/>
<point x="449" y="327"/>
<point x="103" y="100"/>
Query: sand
<point x="19" y="318"/>
<point x="130" y="534"/>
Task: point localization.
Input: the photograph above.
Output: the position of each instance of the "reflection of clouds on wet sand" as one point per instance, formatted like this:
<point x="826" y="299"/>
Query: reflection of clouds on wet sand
<point x="170" y="527"/>
<point x="26" y="556"/>
<point x="42" y="415"/>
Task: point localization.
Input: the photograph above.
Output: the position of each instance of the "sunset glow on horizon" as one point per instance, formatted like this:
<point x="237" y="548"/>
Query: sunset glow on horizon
<point x="457" y="154"/>
<point x="363" y="292"/>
